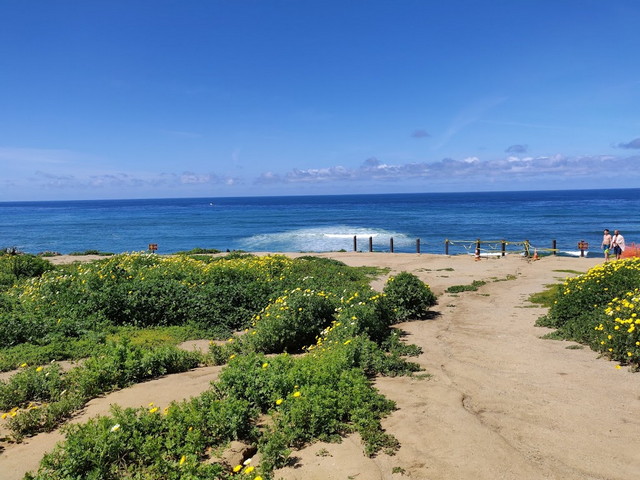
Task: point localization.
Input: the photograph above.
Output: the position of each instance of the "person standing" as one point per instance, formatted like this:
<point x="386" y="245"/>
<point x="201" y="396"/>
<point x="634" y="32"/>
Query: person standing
<point x="606" y="244"/>
<point x="617" y="242"/>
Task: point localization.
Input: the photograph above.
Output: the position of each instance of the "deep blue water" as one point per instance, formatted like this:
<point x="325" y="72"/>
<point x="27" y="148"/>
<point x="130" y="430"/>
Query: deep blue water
<point x="323" y="223"/>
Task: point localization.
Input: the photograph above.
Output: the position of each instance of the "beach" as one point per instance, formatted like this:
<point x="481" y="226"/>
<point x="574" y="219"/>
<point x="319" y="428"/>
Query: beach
<point x="495" y="400"/>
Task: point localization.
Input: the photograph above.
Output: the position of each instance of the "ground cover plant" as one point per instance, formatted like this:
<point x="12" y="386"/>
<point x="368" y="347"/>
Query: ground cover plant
<point x="38" y="398"/>
<point x="15" y="266"/>
<point x="472" y="287"/>
<point x="599" y="308"/>
<point x="71" y="304"/>
<point x="344" y="330"/>
<point x="82" y="301"/>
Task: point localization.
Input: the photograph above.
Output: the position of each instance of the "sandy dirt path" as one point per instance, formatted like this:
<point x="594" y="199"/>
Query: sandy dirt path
<point x="501" y="403"/>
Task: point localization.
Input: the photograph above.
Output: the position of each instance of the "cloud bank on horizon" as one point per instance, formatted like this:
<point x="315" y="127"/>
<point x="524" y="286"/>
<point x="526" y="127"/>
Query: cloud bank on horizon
<point x="217" y="98"/>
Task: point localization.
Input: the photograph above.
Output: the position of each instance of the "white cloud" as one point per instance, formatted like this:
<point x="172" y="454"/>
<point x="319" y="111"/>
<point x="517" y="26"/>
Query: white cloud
<point x="471" y="168"/>
<point x="125" y="180"/>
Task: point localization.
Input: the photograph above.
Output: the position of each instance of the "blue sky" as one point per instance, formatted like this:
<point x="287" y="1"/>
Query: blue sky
<point x="139" y="99"/>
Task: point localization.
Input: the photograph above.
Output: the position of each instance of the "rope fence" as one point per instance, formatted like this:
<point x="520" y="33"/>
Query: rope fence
<point x="487" y="248"/>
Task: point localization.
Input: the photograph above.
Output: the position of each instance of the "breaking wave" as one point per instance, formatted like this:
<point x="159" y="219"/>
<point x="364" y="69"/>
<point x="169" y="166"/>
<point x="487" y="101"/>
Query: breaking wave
<point x="327" y="239"/>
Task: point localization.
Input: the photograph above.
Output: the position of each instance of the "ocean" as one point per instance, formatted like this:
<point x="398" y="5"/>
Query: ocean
<point x="326" y="223"/>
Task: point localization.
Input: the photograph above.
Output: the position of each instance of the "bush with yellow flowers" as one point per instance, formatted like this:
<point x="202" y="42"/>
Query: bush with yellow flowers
<point x="292" y="321"/>
<point x="408" y="297"/>
<point x="618" y="333"/>
<point x="581" y="300"/>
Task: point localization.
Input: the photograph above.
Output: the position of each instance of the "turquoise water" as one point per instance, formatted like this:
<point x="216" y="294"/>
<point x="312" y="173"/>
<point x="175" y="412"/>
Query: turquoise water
<point x="324" y="223"/>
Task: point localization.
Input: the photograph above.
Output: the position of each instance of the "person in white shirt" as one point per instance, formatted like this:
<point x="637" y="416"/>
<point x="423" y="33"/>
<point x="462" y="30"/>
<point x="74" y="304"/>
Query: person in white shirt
<point x="617" y="242"/>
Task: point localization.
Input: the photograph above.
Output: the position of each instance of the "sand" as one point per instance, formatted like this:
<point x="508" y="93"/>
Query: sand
<point x="500" y="402"/>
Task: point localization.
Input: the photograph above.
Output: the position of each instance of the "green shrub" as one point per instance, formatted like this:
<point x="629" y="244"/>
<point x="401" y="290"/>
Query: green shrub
<point x="57" y="349"/>
<point x="91" y="252"/>
<point x="408" y="297"/>
<point x="292" y="321"/>
<point x="218" y="294"/>
<point x="318" y="273"/>
<point x="618" y="332"/>
<point x="17" y="328"/>
<point x="363" y="314"/>
<point x="580" y="301"/>
<point x="318" y="396"/>
<point x="145" y="443"/>
<point x="21" y="266"/>
<point x="54" y="396"/>
<point x="32" y="384"/>
<point x="199" y="251"/>
<point x="122" y="364"/>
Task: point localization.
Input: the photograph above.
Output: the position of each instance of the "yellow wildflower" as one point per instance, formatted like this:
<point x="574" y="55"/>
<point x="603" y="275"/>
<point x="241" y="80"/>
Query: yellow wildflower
<point x="279" y="401"/>
<point x="296" y="394"/>
<point x="183" y="459"/>
<point x="237" y="468"/>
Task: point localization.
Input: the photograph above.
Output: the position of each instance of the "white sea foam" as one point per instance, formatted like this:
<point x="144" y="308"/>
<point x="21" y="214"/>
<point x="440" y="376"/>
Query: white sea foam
<point x="328" y="238"/>
<point x="573" y="253"/>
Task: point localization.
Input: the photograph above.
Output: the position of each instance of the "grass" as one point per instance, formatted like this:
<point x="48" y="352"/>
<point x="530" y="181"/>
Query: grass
<point x="506" y="279"/>
<point x="472" y="287"/>
<point x="546" y="297"/>
<point x="92" y="252"/>
<point x="157" y="336"/>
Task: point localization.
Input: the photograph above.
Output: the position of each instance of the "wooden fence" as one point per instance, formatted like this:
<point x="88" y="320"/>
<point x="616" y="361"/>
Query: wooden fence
<point x="488" y="247"/>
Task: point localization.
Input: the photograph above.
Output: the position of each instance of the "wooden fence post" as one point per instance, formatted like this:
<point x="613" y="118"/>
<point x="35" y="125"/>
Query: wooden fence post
<point x="370" y="244"/>
<point x="391" y="244"/>
<point x="417" y="245"/>
<point x="554" y="246"/>
<point x="355" y="243"/>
